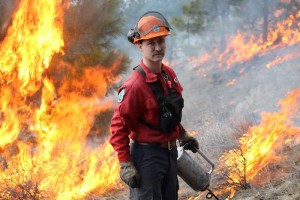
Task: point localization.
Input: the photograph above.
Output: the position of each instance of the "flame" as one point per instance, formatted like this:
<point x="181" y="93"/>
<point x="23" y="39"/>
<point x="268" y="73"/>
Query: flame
<point x="242" y="47"/>
<point x="232" y="82"/>
<point x="7" y="119"/>
<point x="44" y="124"/>
<point x="279" y="60"/>
<point x="33" y="38"/>
<point x="260" y="145"/>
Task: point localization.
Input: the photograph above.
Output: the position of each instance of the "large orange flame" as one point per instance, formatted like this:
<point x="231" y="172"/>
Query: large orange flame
<point x="33" y="38"/>
<point x="43" y="128"/>
<point x="260" y="145"/>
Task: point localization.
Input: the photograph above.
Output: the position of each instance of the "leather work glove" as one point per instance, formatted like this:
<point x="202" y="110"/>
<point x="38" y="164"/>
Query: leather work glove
<point x="129" y="174"/>
<point x="189" y="142"/>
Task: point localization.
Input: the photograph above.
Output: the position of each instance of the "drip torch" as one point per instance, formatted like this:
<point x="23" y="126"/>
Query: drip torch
<point x="193" y="174"/>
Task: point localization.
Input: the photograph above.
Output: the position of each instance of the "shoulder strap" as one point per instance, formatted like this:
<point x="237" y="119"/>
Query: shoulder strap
<point x="158" y="93"/>
<point x="140" y="70"/>
<point x="155" y="86"/>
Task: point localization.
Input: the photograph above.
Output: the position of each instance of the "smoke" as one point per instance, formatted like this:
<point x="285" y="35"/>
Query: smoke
<point x="6" y="9"/>
<point x="213" y="84"/>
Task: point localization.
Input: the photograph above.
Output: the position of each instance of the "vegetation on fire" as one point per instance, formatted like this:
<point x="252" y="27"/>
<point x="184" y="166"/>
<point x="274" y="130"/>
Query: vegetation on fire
<point x="241" y="78"/>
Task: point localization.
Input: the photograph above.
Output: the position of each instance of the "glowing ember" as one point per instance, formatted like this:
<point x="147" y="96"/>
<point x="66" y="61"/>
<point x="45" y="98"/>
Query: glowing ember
<point x="43" y="128"/>
<point x="259" y="146"/>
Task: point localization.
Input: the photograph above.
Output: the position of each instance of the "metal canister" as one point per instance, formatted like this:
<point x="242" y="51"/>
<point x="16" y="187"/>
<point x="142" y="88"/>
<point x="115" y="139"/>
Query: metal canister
<point x="191" y="172"/>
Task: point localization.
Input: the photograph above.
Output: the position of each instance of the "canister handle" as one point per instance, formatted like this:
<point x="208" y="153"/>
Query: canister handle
<point x="207" y="160"/>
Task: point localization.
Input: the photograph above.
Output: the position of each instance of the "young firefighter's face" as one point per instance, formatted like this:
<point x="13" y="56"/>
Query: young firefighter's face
<point x="153" y="49"/>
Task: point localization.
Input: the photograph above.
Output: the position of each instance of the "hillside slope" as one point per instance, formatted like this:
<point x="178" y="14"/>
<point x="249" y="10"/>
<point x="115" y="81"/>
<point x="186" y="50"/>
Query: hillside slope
<point x="220" y="113"/>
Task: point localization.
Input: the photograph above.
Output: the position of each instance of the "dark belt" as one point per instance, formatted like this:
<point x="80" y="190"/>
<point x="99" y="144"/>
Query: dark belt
<point x="166" y="145"/>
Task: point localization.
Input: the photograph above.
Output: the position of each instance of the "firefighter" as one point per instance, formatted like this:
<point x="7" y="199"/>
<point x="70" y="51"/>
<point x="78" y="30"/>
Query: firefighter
<point x="146" y="125"/>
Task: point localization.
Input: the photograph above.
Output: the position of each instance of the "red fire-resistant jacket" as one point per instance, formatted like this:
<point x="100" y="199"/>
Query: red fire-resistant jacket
<point x="136" y="99"/>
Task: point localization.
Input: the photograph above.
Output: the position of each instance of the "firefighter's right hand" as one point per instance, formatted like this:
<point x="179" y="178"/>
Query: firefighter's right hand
<point x="189" y="142"/>
<point x="129" y="174"/>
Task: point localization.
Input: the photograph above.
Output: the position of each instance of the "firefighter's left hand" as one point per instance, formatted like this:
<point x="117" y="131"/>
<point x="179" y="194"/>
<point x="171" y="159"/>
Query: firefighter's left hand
<point x="189" y="142"/>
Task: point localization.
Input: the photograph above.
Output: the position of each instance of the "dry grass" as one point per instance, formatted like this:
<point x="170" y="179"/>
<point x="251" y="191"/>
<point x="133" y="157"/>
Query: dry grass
<point x="280" y="180"/>
<point x="221" y="115"/>
<point x="22" y="186"/>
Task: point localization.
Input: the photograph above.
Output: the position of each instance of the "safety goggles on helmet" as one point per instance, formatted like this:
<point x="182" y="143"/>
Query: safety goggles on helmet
<point x="152" y="24"/>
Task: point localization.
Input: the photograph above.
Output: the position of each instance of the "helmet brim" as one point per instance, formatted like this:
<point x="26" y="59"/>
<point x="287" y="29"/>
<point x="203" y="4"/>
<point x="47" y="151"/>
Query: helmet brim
<point x="151" y="35"/>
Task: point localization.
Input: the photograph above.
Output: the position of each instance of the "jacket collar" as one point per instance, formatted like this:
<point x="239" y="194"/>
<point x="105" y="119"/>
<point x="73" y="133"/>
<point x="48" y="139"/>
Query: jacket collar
<point x="150" y="77"/>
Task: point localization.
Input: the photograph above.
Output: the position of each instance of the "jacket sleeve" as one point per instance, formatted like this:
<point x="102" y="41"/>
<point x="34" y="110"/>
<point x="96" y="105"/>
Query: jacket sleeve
<point x="127" y="110"/>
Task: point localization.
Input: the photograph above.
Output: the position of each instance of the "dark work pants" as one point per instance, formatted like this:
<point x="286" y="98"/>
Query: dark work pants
<point x="157" y="168"/>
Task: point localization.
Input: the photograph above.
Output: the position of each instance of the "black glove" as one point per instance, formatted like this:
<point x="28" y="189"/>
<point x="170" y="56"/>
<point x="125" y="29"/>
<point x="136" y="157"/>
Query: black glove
<point x="129" y="174"/>
<point x="189" y="142"/>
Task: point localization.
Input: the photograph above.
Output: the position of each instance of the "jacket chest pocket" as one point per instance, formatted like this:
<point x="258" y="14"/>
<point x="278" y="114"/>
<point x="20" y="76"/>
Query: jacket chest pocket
<point x="151" y="112"/>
